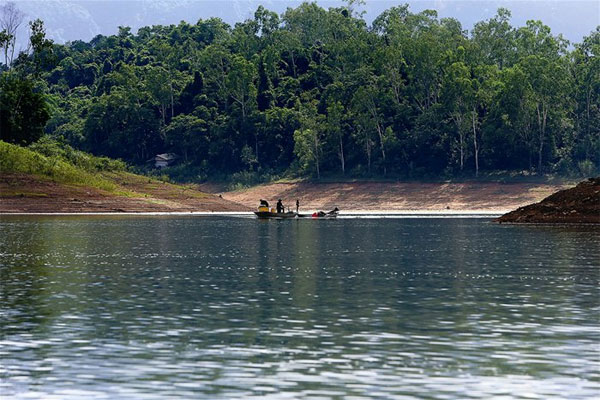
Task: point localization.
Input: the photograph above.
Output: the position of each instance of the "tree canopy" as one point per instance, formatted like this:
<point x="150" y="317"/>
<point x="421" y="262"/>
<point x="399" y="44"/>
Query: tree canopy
<point x="318" y="92"/>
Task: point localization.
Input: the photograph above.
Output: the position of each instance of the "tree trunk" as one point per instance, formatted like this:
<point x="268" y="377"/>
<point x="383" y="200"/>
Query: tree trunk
<point x="373" y="110"/>
<point x="382" y="148"/>
<point x="364" y="135"/>
<point x="542" y="118"/>
<point x="316" y="150"/>
<point x="172" y="101"/>
<point x="540" y="149"/>
<point x="256" y="146"/>
<point x="462" y="151"/>
<point x="368" y="149"/>
<point x="475" y="144"/>
<point x="587" y="106"/>
<point x="457" y="117"/>
<point x="342" y="156"/>
<point x="293" y="64"/>
<point x="12" y="50"/>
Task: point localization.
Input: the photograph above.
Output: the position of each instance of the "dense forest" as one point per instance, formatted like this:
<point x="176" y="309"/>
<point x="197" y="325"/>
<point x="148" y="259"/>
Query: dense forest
<point x="315" y="92"/>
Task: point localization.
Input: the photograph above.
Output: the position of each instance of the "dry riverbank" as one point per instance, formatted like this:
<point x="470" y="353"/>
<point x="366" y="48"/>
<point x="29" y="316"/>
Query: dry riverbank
<point x="24" y="193"/>
<point x="28" y="193"/>
<point x="395" y="196"/>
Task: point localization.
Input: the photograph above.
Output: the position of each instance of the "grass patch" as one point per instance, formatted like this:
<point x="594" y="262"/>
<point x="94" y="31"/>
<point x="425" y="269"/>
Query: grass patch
<point x="55" y="150"/>
<point x="49" y="160"/>
<point x="15" y="159"/>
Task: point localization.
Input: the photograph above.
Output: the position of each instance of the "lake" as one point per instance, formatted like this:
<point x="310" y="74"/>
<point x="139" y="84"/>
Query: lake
<point x="130" y="307"/>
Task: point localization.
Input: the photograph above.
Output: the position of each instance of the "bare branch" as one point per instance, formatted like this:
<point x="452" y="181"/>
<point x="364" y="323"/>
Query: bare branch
<point x="10" y="20"/>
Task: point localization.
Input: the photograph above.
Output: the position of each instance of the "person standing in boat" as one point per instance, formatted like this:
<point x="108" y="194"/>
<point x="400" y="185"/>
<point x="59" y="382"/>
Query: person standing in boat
<point x="280" y="207"/>
<point x="297" y="206"/>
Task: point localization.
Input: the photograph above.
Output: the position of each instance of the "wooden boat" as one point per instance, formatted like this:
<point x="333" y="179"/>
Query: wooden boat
<point x="275" y="215"/>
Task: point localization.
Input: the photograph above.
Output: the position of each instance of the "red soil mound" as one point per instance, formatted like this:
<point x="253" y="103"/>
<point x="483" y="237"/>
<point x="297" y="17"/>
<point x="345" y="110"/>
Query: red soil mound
<point x="580" y="204"/>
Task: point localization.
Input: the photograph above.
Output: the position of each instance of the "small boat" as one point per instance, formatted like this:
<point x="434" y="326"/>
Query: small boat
<point x="264" y="212"/>
<point x="275" y="215"/>
<point x="321" y="214"/>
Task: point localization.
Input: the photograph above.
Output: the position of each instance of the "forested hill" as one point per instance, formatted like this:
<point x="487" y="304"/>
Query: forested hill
<point x="316" y="92"/>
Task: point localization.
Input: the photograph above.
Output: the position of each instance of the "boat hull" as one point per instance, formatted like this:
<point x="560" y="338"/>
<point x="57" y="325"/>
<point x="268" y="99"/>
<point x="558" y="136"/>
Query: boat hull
<point x="271" y="215"/>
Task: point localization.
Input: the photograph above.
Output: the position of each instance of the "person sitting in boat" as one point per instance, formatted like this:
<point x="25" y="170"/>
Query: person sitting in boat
<point x="264" y="203"/>
<point x="280" y="207"/>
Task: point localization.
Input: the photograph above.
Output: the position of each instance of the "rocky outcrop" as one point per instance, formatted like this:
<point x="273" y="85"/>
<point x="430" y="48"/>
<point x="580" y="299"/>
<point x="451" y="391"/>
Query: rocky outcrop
<point x="580" y="204"/>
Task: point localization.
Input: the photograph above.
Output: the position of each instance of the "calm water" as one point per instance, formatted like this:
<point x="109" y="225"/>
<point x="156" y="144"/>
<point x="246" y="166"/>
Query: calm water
<point x="189" y="307"/>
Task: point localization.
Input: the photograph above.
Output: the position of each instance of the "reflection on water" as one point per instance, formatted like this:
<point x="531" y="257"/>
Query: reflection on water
<point x="210" y="308"/>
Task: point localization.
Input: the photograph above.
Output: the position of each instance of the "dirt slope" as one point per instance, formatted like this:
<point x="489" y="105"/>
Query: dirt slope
<point x="30" y="193"/>
<point x="580" y="204"/>
<point x="397" y="196"/>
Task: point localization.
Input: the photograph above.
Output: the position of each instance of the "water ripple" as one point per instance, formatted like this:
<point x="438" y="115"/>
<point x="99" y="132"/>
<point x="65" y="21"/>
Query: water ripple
<point x="106" y="308"/>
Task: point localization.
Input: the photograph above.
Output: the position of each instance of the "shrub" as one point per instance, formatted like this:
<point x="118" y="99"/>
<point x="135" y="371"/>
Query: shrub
<point x="15" y="159"/>
<point x="54" y="149"/>
<point x="587" y="168"/>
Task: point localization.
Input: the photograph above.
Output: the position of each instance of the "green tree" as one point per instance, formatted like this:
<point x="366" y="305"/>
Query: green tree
<point x="23" y="110"/>
<point x="586" y="74"/>
<point x="240" y="84"/>
<point x="458" y="96"/>
<point x="548" y="81"/>
<point x="309" y="139"/>
<point x="187" y="133"/>
<point x="494" y="40"/>
<point x="334" y="129"/>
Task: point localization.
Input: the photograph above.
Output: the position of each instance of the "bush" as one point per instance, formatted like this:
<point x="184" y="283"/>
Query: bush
<point x="244" y="179"/>
<point x="15" y="159"/>
<point x="54" y="149"/>
<point x="181" y="173"/>
<point x="587" y="168"/>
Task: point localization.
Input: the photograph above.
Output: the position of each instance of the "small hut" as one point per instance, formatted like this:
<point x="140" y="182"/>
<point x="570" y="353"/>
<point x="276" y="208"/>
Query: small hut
<point x="165" y="160"/>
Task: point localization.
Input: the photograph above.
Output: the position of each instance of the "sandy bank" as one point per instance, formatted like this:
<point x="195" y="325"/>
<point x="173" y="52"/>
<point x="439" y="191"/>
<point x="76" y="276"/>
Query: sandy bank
<point x="490" y="197"/>
<point x="21" y="193"/>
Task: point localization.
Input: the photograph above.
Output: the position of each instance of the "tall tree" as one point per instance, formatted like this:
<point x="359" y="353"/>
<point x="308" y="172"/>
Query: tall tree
<point x="308" y="139"/>
<point x="458" y="96"/>
<point x="548" y="80"/>
<point x="11" y="19"/>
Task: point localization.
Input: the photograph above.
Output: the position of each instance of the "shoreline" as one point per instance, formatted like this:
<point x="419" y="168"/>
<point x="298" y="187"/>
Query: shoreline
<point x="22" y="194"/>
<point x="351" y="214"/>
<point x="343" y="214"/>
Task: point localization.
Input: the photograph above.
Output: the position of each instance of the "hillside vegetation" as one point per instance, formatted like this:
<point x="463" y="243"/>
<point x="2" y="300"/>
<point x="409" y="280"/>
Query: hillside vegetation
<point x="61" y="164"/>
<point x="317" y="92"/>
<point x="50" y="177"/>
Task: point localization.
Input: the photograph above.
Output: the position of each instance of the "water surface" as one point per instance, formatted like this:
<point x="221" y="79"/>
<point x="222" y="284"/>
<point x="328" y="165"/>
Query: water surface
<point x="222" y="307"/>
